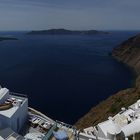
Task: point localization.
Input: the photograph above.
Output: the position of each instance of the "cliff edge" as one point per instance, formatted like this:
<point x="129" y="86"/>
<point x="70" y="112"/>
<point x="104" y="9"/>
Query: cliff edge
<point x="129" y="53"/>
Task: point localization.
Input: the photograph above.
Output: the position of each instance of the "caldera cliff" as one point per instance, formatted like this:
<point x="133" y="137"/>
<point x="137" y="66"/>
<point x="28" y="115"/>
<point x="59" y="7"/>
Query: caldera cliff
<point x="129" y="53"/>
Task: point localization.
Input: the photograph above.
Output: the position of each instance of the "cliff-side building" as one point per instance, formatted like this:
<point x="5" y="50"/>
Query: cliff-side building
<point x="13" y="110"/>
<point x="123" y="126"/>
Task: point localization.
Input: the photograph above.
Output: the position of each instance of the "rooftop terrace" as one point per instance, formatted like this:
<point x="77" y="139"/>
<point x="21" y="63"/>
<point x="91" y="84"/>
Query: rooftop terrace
<point x="15" y="102"/>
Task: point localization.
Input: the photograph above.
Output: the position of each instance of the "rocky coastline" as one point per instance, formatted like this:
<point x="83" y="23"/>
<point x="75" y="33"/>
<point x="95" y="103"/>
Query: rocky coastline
<point x="127" y="52"/>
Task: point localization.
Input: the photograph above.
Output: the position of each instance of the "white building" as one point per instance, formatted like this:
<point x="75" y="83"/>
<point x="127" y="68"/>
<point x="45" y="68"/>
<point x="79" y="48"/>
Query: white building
<point x="13" y="110"/>
<point x="124" y="125"/>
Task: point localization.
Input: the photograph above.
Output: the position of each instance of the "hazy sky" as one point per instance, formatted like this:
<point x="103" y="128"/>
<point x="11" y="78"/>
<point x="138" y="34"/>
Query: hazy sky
<point x="70" y="14"/>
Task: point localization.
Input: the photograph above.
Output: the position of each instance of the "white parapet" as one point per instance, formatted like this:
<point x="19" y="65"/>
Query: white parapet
<point x="4" y="94"/>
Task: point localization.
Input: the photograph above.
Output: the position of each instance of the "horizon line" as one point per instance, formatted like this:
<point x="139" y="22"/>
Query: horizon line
<point x="24" y="30"/>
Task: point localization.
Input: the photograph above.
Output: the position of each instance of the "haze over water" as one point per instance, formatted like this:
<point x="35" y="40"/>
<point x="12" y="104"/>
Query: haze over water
<point x="63" y="76"/>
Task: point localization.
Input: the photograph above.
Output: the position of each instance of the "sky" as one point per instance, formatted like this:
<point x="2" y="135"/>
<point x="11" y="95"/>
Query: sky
<point x="70" y="14"/>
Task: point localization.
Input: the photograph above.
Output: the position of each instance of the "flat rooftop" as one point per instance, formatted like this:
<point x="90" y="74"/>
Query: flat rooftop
<point x="9" y="112"/>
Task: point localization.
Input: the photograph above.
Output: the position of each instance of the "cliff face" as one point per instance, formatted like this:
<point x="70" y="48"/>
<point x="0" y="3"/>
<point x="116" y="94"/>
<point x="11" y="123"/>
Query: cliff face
<point x="129" y="53"/>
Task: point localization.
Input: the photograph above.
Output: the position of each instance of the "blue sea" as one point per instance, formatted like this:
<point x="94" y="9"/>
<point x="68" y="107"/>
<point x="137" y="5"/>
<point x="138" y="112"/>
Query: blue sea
<point x="64" y="76"/>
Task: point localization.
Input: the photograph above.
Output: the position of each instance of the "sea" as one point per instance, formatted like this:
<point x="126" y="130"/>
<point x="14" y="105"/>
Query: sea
<point x="64" y="76"/>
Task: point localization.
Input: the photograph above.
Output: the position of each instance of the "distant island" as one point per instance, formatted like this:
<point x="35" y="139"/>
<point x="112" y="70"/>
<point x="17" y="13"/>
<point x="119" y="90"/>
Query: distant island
<point x="7" y="38"/>
<point x="66" y="32"/>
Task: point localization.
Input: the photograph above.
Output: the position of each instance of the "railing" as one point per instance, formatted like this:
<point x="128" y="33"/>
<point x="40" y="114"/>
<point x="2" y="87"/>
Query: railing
<point x="49" y="134"/>
<point x="87" y="137"/>
<point x="18" y="94"/>
<point x="39" y="114"/>
<point x="67" y="125"/>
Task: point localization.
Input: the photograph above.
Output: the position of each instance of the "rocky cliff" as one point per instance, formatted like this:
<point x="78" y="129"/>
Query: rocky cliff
<point x="129" y="53"/>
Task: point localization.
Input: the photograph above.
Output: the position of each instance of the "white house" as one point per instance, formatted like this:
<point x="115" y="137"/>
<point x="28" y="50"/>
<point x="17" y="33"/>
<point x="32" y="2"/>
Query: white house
<point x="13" y="110"/>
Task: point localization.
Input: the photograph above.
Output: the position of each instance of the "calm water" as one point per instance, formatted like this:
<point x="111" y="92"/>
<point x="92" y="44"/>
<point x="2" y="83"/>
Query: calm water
<point x="64" y="76"/>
